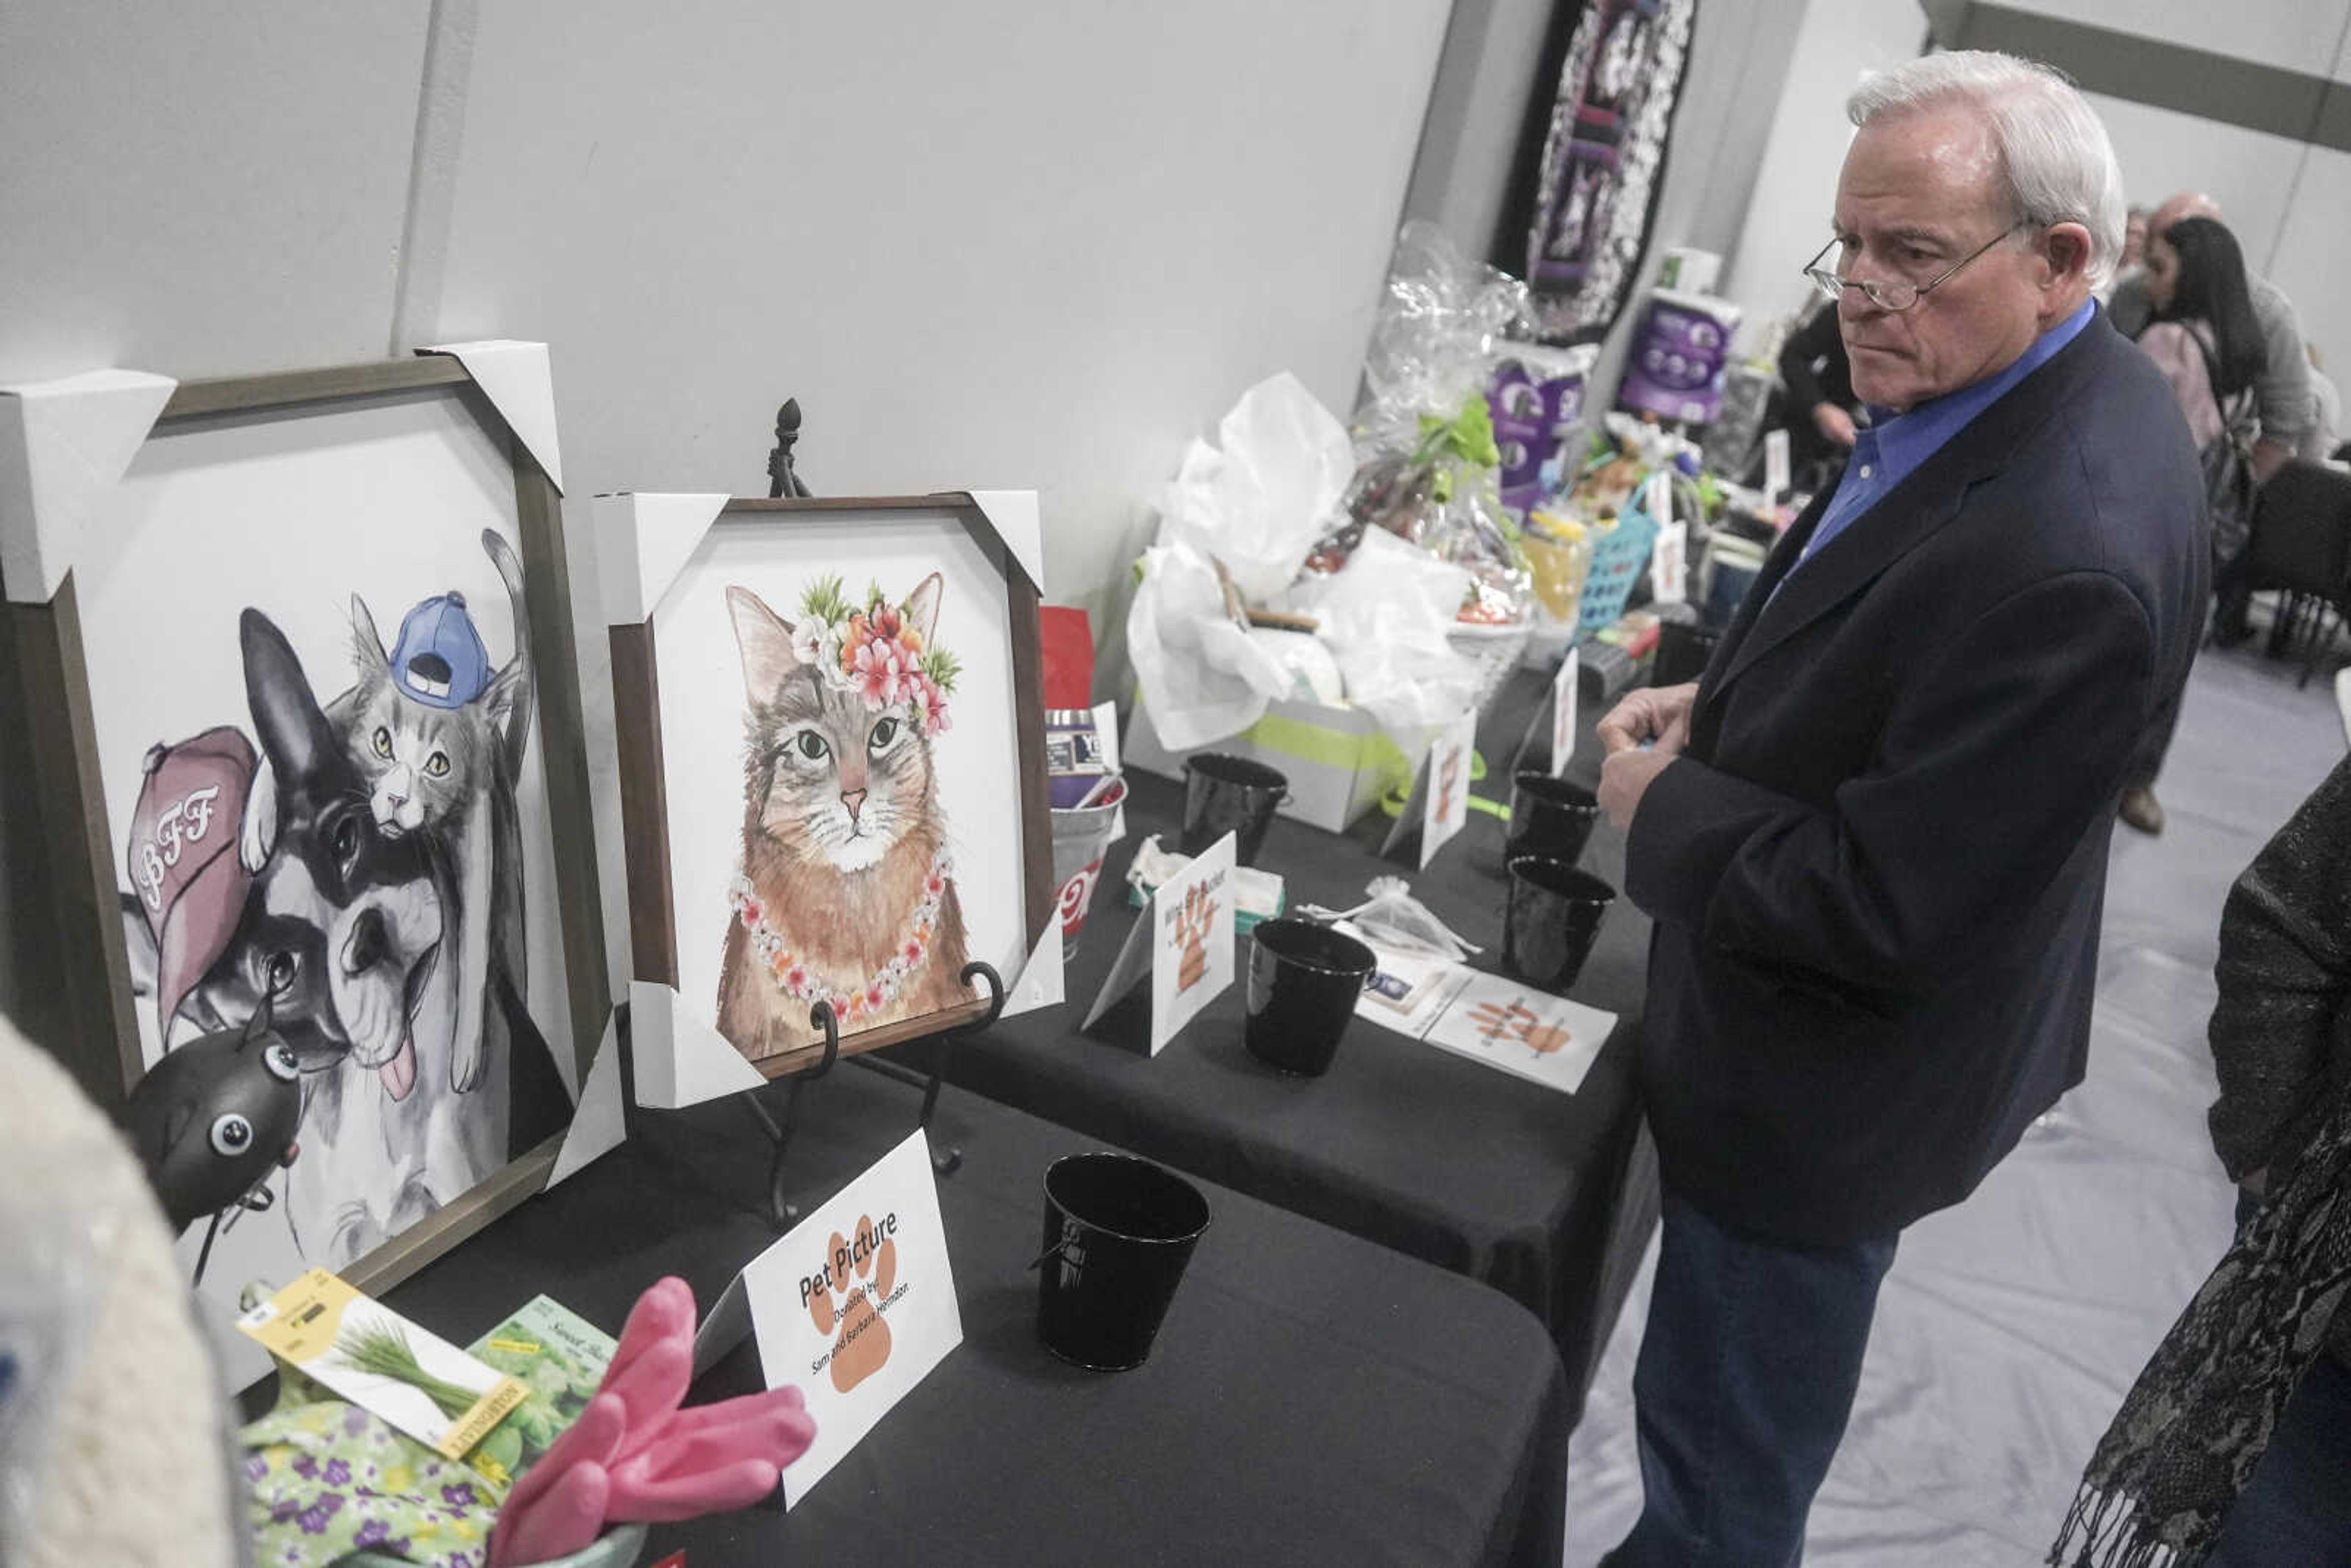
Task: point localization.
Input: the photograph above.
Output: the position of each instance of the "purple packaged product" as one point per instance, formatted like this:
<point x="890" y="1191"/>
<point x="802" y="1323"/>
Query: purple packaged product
<point x="1531" y="417"/>
<point x="1675" y="368"/>
<point x="1074" y="756"/>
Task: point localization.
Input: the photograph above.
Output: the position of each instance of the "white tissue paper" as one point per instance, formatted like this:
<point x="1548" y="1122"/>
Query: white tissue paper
<point x="1260" y="502"/>
<point x="1203" y="677"/>
<point x="1384" y="616"/>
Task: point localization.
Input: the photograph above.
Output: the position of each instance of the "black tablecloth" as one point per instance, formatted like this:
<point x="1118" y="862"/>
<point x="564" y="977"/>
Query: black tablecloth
<point x="1311" y="1398"/>
<point x="1550" y="1197"/>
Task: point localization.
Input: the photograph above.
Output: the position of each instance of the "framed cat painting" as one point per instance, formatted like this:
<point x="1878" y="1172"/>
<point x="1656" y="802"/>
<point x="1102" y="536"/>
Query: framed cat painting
<point x="300" y="692"/>
<point x="832" y="743"/>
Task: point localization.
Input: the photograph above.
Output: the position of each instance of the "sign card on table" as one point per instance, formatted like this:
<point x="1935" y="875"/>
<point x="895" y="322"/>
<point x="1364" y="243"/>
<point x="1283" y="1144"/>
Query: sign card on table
<point x="854" y="1306"/>
<point x="1440" y="802"/>
<point x="1563" y="713"/>
<point x="1504" y="1023"/>
<point x="1183" y="936"/>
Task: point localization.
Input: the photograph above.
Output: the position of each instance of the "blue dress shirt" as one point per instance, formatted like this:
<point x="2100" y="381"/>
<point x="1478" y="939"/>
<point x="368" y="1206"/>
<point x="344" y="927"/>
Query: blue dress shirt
<point x="1889" y="448"/>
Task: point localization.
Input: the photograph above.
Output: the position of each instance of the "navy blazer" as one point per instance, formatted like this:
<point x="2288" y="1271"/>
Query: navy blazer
<point x="1877" y="871"/>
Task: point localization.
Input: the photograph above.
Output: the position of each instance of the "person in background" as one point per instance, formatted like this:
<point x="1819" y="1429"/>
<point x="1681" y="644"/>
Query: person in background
<point x="2282" y="400"/>
<point x="1873" y="840"/>
<point x="2205" y="340"/>
<point x="1820" y="401"/>
<point x="2238" y="1434"/>
<point x="2134" y="254"/>
<point x="2203" y="335"/>
<point x="2324" y="440"/>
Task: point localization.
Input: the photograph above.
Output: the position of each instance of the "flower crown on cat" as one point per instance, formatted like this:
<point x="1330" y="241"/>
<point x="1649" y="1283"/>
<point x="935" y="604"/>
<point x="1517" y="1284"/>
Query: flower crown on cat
<point x="878" y="652"/>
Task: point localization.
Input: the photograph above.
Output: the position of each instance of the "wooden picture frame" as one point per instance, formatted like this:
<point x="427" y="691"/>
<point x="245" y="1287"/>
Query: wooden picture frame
<point x="71" y="910"/>
<point x="643" y="705"/>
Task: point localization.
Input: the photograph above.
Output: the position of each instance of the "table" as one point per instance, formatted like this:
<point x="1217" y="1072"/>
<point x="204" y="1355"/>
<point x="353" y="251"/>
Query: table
<point x="1548" y="1197"/>
<point x="1311" y="1398"/>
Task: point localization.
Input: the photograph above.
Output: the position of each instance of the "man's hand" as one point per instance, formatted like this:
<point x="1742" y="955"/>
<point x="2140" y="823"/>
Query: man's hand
<point x="1626" y="776"/>
<point x="1652" y="714"/>
<point x="1832" y="423"/>
<point x="2268" y="458"/>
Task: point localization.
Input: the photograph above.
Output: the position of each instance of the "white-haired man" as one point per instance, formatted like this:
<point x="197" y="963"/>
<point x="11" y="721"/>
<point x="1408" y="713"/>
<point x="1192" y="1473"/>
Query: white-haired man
<point x="1872" y="839"/>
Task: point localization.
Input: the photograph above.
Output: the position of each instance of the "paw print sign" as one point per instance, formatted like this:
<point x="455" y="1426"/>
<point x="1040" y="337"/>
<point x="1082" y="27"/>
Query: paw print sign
<point x="1497" y="1022"/>
<point x="1191" y="937"/>
<point x="857" y="1278"/>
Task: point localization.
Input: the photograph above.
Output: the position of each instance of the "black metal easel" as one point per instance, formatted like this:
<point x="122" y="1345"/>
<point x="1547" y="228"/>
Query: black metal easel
<point x="781" y="480"/>
<point x="777" y="1124"/>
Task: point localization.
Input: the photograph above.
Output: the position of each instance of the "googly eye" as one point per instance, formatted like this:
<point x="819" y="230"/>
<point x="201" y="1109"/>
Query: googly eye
<point x="232" y="1134"/>
<point x="280" y="1060"/>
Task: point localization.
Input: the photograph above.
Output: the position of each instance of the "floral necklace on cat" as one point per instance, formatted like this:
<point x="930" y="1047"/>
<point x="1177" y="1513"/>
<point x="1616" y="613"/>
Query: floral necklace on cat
<point x="862" y="998"/>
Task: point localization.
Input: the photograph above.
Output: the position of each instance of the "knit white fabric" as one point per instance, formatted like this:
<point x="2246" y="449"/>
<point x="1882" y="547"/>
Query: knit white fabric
<point x="114" y="1435"/>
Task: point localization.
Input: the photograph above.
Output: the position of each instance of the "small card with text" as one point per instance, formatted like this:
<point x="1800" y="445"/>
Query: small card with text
<point x="1563" y="713"/>
<point x="1183" y="936"/>
<point x="1445" y="803"/>
<point x="855" y="1305"/>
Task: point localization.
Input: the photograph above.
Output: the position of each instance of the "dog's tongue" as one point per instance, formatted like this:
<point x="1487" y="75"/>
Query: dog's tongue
<point x="399" y="1075"/>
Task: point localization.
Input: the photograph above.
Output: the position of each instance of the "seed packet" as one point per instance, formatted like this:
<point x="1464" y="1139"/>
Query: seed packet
<point x="556" y="1356"/>
<point x="371" y="1355"/>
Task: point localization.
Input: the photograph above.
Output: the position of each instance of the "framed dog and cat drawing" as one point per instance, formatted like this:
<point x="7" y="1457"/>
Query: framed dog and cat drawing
<point x="304" y="701"/>
<point x="831" y="770"/>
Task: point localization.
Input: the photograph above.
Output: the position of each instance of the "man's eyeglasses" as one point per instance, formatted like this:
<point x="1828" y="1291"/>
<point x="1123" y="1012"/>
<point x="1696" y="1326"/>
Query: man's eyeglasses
<point x="1894" y="293"/>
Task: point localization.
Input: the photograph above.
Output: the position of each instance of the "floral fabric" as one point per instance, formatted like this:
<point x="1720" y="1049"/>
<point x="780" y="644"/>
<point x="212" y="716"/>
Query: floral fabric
<point x="327" y="1478"/>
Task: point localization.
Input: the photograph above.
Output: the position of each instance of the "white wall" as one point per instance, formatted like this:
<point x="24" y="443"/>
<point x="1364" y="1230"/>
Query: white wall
<point x="202" y="191"/>
<point x="995" y="244"/>
<point x="1838" y="42"/>
<point x="2288" y="203"/>
<point x="1460" y="179"/>
<point x="990" y="243"/>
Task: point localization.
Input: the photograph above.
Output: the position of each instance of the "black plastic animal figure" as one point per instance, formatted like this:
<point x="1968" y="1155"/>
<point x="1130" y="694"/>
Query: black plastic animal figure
<point x="213" y="1117"/>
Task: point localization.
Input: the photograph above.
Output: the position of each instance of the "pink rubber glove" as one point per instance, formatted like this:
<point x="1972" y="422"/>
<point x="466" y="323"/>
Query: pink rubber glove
<point x="738" y="1485"/>
<point x="768" y="1430"/>
<point x="564" y="1519"/>
<point x="588" y="1444"/>
<point x="653" y="1362"/>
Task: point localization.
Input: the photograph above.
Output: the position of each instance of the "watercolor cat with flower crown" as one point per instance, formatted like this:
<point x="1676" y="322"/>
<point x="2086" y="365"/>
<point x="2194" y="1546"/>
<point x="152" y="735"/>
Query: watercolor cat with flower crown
<point x="847" y="892"/>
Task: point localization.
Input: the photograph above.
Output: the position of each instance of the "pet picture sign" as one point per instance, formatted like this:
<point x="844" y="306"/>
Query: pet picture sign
<point x="1438" y="805"/>
<point x="833" y="774"/>
<point x="299" y="669"/>
<point x="1183" y="938"/>
<point x="853" y="1306"/>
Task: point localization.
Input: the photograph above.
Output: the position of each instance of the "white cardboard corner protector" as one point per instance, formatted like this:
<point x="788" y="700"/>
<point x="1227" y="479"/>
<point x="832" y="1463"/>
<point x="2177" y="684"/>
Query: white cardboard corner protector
<point x="598" y="1123"/>
<point x="514" y="376"/>
<point x="63" y="443"/>
<point x="1013" y="515"/>
<point x="642" y="542"/>
<point x="1039" y="984"/>
<point x="680" y="1062"/>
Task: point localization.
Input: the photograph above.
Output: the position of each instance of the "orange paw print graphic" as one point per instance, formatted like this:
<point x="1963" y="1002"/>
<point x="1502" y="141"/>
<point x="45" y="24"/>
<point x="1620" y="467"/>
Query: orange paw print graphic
<point x="1192" y="937"/>
<point x="860" y="1274"/>
<point x="1496" y="1023"/>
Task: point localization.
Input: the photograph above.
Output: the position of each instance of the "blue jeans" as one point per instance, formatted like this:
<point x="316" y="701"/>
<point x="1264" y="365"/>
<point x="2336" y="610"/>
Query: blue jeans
<point x="2296" y="1510"/>
<point x="1746" y="1376"/>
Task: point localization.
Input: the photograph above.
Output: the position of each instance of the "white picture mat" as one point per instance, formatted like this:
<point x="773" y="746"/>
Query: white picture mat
<point x="977" y="760"/>
<point x="291" y="513"/>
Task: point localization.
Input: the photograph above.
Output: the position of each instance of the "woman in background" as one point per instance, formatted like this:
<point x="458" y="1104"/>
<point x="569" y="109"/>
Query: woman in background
<point x="2206" y="342"/>
<point x="2204" y="336"/>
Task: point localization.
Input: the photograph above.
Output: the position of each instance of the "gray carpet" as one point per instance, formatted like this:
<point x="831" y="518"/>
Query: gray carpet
<point x="2010" y="1326"/>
